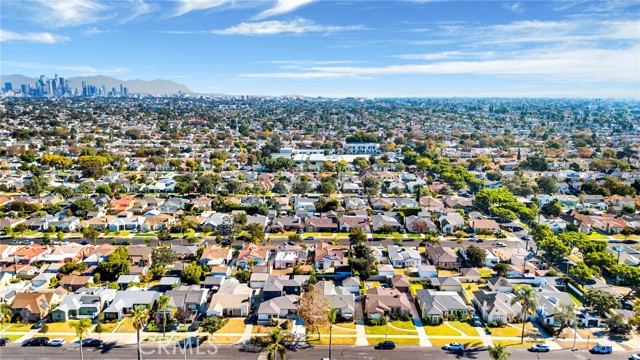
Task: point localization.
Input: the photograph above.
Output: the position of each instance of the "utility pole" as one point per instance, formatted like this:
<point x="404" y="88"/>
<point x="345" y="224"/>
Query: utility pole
<point x="575" y="334"/>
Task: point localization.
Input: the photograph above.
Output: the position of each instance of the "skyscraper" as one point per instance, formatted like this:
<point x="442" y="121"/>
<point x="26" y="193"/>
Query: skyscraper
<point x="9" y="87"/>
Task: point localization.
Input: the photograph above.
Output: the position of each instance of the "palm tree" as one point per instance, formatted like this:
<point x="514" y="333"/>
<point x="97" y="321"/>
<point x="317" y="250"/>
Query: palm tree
<point x="332" y="315"/>
<point x="5" y="315"/>
<point x="163" y="302"/>
<point x="527" y="299"/>
<point x="275" y="346"/>
<point x="498" y="352"/>
<point x="139" y="317"/>
<point x="81" y="328"/>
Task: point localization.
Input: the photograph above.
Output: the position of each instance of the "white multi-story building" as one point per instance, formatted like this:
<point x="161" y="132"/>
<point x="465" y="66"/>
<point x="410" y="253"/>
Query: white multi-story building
<point x="360" y="148"/>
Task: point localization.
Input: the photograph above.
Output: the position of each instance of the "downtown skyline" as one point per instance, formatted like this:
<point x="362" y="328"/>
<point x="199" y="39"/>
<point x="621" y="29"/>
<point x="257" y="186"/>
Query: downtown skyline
<point x="335" y="48"/>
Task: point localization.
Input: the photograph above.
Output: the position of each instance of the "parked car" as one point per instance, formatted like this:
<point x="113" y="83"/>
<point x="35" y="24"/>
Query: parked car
<point x="4" y="341"/>
<point x="634" y="357"/>
<point x="602" y="349"/>
<point x="57" y="342"/>
<point x="310" y="238"/>
<point x="192" y="341"/>
<point x="37" y="341"/>
<point x="473" y="236"/>
<point x="300" y="231"/>
<point x="92" y="343"/>
<point x="39" y="324"/>
<point x="121" y="242"/>
<point x="539" y="348"/>
<point x="454" y="346"/>
<point x="477" y="321"/>
<point x="386" y="345"/>
<point x="84" y="242"/>
<point x="500" y="245"/>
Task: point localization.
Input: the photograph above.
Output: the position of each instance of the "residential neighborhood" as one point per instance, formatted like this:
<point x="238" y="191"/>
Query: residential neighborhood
<point x="421" y="237"/>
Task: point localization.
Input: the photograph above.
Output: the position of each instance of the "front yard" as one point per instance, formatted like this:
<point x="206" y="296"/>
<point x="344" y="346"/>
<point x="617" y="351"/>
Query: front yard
<point x="465" y="327"/>
<point x="396" y="328"/>
<point x="61" y="327"/>
<point x="440" y="330"/>
<point x="18" y="327"/>
<point x="126" y="326"/>
<point x="233" y="326"/>
<point x="513" y="331"/>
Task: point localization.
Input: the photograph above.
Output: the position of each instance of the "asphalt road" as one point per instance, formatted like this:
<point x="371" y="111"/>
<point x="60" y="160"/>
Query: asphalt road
<point x="71" y="351"/>
<point x="139" y="240"/>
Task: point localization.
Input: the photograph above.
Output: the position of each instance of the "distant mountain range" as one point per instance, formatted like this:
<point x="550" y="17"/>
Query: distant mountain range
<point x="137" y="86"/>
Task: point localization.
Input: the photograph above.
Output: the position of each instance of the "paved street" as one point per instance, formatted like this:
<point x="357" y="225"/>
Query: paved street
<point x="70" y="351"/>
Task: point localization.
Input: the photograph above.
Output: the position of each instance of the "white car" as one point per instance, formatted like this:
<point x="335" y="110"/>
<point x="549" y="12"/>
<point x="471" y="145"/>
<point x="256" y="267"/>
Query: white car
<point x="454" y="346"/>
<point x="539" y="348"/>
<point x="57" y="342"/>
<point x="634" y="357"/>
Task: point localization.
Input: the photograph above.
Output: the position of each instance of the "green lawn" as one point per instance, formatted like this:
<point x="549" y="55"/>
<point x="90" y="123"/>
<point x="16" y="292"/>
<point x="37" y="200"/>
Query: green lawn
<point x="399" y="341"/>
<point x="469" y="288"/>
<point x="380" y="330"/>
<point x="465" y="327"/>
<point x="18" y="327"/>
<point x="146" y="235"/>
<point x="440" y="330"/>
<point x="413" y="236"/>
<point x="13" y="338"/>
<point x="575" y="299"/>
<point x="61" y="327"/>
<point x="598" y="236"/>
<point x="407" y="325"/>
<point x="415" y="287"/>
<point x="485" y="273"/>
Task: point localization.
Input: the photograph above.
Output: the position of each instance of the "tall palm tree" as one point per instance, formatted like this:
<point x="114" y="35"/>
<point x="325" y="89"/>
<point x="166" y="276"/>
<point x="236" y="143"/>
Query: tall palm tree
<point x="498" y="352"/>
<point x="81" y="327"/>
<point x="139" y="317"/>
<point x="163" y="302"/>
<point x="275" y="346"/>
<point x="5" y="315"/>
<point x="332" y="315"/>
<point x="527" y="299"/>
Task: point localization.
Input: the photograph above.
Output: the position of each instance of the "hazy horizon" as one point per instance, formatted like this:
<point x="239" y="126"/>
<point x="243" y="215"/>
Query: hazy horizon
<point x="556" y="49"/>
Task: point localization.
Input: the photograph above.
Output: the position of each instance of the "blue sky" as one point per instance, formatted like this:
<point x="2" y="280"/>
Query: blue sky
<point x="335" y="48"/>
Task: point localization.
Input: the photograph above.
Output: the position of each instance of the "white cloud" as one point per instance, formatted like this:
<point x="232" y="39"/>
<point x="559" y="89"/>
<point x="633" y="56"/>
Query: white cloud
<point x="283" y="7"/>
<point x="39" y="37"/>
<point x="536" y="31"/>
<point x="61" y="13"/>
<point x="194" y="5"/>
<point x="593" y="65"/>
<point x="515" y="7"/>
<point x="298" y="26"/>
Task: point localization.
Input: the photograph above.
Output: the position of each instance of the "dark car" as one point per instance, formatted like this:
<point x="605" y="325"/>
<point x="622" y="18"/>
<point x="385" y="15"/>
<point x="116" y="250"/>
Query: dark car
<point x="629" y="241"/>
<point x="121" y="242"/>
<point x="386" y="345"/>
<point x="37" y="341"/>
<point x="39" y="324"/>
<point x="92" y="343"/>
<point x="192" y="342"/>
<point x="84" y="242"/>
<point x="4" y="341"/>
